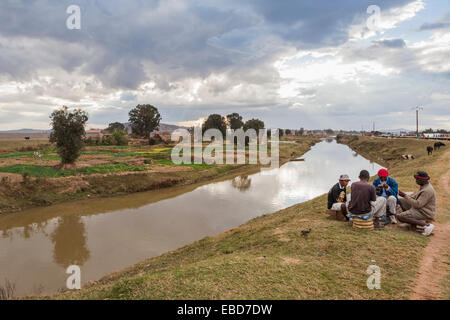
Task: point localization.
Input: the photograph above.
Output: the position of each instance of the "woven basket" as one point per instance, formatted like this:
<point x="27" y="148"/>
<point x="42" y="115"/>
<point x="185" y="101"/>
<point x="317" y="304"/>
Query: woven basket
<point x="362" y="224"/>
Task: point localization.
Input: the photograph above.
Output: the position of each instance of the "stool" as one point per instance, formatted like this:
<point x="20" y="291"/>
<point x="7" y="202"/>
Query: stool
<point x="335" y="215"/>
<point x="363" y="224"/>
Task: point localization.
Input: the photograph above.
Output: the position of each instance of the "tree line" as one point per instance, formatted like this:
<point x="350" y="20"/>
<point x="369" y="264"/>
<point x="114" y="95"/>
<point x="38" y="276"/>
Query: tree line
<point x="68" y="128"/>
<point x="232" y="121"/>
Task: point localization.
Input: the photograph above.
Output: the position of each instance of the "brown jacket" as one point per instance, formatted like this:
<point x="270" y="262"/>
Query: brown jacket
<point x="424" y="200"/>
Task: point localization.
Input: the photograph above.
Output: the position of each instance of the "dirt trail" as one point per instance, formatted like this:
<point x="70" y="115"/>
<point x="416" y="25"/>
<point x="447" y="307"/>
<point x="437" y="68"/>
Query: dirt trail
<point x="433" y="266"/>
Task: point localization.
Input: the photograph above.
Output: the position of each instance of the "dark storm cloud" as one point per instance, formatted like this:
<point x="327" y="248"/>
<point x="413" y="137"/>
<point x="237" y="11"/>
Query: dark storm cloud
<point x="125" y="43"/>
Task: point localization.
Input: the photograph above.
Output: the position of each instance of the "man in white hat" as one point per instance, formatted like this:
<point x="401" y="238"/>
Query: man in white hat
<point x="337" y="196"/>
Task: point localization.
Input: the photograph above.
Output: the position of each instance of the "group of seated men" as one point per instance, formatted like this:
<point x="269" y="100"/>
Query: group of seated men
<point x="380" y="200"/>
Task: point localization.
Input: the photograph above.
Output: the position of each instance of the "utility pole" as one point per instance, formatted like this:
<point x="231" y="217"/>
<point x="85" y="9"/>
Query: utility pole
<point x="417" y="120"/>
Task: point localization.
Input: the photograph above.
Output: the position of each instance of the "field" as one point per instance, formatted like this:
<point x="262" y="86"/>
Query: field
<point x="270" y="258"/>
<point x="27" y="180"/>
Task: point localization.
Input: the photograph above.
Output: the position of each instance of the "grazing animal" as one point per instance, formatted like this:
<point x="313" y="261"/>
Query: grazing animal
<point x="407" y="157"/>
<point x="430" y="150"/>
<point x="438" y="145"/>
<point x="27" y="138"/>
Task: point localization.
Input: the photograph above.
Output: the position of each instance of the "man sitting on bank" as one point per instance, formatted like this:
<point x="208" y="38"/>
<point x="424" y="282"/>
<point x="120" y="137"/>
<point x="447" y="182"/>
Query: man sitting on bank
<point x="364" y="201"/>
<point x="421" y="206"/>
<point x="337" y="196"/>
<point x="387" y="187"/>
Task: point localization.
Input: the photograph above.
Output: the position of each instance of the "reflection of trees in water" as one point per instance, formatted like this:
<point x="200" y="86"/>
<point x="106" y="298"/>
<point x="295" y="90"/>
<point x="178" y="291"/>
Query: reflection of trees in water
<point x="70" y="242"/>
<point x="242" y="183"/>
<point x="24" y="232"/>
<point x="329" y="140"/>
<point x="354" y="154"/>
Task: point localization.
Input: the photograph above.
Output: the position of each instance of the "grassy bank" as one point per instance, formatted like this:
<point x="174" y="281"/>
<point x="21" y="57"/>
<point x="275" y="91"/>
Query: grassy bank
<point x="27" y="181"/>
<point x="270" y="258"/>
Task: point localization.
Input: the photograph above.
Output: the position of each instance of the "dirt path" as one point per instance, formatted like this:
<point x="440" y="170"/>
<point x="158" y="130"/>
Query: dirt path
<point x="433" y="266"/>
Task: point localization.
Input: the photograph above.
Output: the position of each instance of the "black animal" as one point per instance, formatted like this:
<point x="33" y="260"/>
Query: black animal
<point x="430" y="150"/>
<point x="27" y="138"/>
<point x="306" y="232"/>
<point x="438" y="145"/>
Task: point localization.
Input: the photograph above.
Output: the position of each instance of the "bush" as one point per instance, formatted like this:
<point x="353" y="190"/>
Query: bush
<point x="156" y="139"/>
<point x="91" y="142"/>
<point x="118" y="138"/>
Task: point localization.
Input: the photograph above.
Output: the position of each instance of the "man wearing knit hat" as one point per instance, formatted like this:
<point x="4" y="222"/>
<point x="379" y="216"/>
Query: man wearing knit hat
<point x="421" y="206"/>
<point x="387" y="188"/>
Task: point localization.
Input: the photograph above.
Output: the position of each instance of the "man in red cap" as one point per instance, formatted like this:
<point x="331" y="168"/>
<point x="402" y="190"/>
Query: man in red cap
<point x="387" y="188"/>
<point x="421" y="206"/>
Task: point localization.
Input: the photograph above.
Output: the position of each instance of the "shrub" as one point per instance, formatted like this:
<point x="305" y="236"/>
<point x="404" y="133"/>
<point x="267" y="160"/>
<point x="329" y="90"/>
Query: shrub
<point x="120" y="137"/>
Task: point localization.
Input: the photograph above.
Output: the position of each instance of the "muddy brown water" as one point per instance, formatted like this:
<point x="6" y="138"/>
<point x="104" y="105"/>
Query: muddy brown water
<point x="105" y="235"/>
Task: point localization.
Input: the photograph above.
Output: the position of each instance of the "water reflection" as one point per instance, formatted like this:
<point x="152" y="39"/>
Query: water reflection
<point x="242" y="183"/>
<point x="104" y="235"/>
<point x="70" y="243"/>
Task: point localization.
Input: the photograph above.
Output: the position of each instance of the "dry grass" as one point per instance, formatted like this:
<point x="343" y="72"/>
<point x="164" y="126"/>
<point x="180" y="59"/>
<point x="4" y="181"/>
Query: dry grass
<point x="21" y="145"/>
<point x="7" y="290"/>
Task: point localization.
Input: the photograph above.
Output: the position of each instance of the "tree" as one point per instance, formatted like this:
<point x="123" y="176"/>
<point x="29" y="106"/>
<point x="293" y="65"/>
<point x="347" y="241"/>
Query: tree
<point x="301" y="131"/>
<point x="255" y="124"/>
<point x="115" y="126"/>
<point x="68" y="132"/>
<point x="235" y="121"/>
<point x="288" y="132"/>
<point x="215" y="121"/>
<point x="144" y="120"/>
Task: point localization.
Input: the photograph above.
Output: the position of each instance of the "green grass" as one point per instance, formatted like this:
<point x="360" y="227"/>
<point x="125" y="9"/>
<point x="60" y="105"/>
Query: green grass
<point x="36" y="171"/>
<point x="50" y="172"/>
<point x="19" y="154"/>
<point x="106" y="168"/>
<point x="168" y="162"/>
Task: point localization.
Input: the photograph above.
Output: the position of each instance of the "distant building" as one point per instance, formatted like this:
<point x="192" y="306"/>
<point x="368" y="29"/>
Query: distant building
<point x="434" y="135"/>
<point x="94" y="133"/>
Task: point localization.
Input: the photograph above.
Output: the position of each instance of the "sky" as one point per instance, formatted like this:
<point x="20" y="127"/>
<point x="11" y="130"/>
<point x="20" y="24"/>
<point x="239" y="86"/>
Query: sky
<point x="311" y="64"/>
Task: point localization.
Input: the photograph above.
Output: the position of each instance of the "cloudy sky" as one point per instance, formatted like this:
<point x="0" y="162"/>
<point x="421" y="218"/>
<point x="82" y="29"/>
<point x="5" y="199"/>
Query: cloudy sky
<point x="310" y="63"/>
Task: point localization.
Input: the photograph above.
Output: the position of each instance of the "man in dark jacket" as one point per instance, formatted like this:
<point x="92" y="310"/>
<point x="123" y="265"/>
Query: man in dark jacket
<point x="337" y="196"/>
